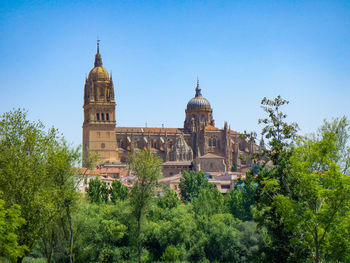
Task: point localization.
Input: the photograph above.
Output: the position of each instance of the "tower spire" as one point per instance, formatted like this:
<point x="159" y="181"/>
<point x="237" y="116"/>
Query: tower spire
<point x="98" y="45"/>
<point x="198" y="89"/>
<point x="98" y="59"/>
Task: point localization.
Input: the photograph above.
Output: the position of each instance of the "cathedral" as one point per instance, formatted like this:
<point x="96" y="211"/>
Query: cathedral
<point x="198" y="145"/>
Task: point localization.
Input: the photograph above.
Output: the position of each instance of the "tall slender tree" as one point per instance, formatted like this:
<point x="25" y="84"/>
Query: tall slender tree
<point x="147" y="167"/>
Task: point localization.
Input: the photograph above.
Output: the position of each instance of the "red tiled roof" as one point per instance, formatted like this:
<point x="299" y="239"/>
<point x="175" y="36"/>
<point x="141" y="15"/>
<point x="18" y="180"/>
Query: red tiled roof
<point x="211" y="128"/>
<point x="234" y="132"/>
<point x="86" y="171"/>
<point x="148" y="130"/>
<point x="110" y="170"/>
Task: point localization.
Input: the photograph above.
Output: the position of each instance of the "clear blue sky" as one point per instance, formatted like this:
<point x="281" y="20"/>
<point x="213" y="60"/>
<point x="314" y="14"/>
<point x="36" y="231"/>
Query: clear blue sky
<point x="241" y="51"/>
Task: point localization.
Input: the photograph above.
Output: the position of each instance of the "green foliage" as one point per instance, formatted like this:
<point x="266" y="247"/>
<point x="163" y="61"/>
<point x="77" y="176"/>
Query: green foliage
<point x="318" y="211"/>
<point x="99" y="233"/>
<point x="35" y="173"/>
<point x="340" y="128"/>
<point x="191" y="184"/>
<point x="240" y="200"/>
<point x="94" y="190"/>
<point x="274" y="180"/>
<point x="169" y="200"/>
<point x="10" y="221"/>
<point x="230" y="240"/>
<point x="118" y="191"/>
<point x="147" y="166"/>
<point x="209" y="202"/>
<point x="171" y="254"/>
<point x="104" y="192"/>
<point x="170" y="227"/>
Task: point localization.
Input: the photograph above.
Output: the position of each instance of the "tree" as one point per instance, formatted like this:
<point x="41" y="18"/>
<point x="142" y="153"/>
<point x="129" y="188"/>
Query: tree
<point x="10" y="221"/>
<point x="100" y="232"/>
<point x="118" y="191"/>
<point x="209" y="202"/>
<point x="191" y="184"/>
<point x="240" y="200"/>
<point x="319" y="210"/>
<point x="94" y="190"/>
<point x="29" y="172"/>
<point x="340" y="127"/>
<point x="147" y="167"/>
<point x="169" y="200"/>
<point x="273" y="180"/>
<point x="61" y="161"/>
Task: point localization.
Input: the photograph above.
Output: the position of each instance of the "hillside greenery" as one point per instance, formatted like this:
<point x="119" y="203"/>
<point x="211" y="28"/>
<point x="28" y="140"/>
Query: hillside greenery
<point x="293" y="206"/>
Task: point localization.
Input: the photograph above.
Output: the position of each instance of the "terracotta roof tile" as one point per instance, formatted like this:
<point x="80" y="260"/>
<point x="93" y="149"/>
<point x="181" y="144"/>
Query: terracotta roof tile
<point x="148" y="130"/>
<point x="234" y="132"/>
<point x="211" y="128"/>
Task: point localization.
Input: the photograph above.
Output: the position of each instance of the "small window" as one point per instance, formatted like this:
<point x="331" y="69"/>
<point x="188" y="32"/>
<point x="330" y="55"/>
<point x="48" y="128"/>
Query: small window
<point x="202" y="118"/>
<point x="98" y="116"/>
<point x="102" y="116"/>
<point x="214" y="142"/>
<point x="103" y="145"/>
<point x="107" y="116"/>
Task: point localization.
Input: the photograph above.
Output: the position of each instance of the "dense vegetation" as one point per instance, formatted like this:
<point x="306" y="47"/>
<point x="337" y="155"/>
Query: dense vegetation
<point x="293" y="206"/>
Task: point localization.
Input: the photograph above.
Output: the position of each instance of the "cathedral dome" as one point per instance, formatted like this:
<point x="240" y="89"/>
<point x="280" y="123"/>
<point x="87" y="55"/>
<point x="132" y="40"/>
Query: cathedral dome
<point x="198" y="102"/>
<point x="98" y="73"/>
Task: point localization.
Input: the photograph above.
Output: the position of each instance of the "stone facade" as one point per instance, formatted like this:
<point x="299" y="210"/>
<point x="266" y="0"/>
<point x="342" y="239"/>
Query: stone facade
<point x="199" y="136"/>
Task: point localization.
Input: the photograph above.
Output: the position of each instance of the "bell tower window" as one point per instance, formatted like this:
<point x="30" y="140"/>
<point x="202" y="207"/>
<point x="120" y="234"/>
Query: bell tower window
<point x="202" y="118"/>
<point x="107" y="116"/>
<point x="102" y="116"/>
<point x="98" y="116"/>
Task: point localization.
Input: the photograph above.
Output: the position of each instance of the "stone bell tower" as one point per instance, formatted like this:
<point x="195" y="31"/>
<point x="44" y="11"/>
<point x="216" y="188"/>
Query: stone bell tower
<point x="99" y="113"/>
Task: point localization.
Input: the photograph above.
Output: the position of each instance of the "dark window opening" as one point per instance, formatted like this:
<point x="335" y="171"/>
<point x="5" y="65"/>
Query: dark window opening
<point x="97" y="116"/>
<point x="102" y="116"/>
<point x="214" y="142"/>
<point x="107" y="116"/>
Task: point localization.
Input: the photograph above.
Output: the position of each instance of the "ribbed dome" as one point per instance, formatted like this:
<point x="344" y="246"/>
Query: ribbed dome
<point x="198" y="103"/>
<point x="98" y="73"/>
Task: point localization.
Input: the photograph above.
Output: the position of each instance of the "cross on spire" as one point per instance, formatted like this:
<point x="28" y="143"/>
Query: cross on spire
<point x="98" y="45"/>
<point x="98" y="59"/>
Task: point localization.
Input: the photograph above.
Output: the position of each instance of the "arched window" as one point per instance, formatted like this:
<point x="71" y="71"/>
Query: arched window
<point x="202" y="118"/>
<point x="98" y="116"/>
<point x="214" y="142"/>
<point x="102" y="116"/>
<point x="107" y="116"/>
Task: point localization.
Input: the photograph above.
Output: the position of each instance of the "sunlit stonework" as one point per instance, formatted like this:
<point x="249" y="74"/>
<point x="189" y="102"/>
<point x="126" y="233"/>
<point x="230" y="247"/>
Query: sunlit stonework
<point x="197" y="145"/>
